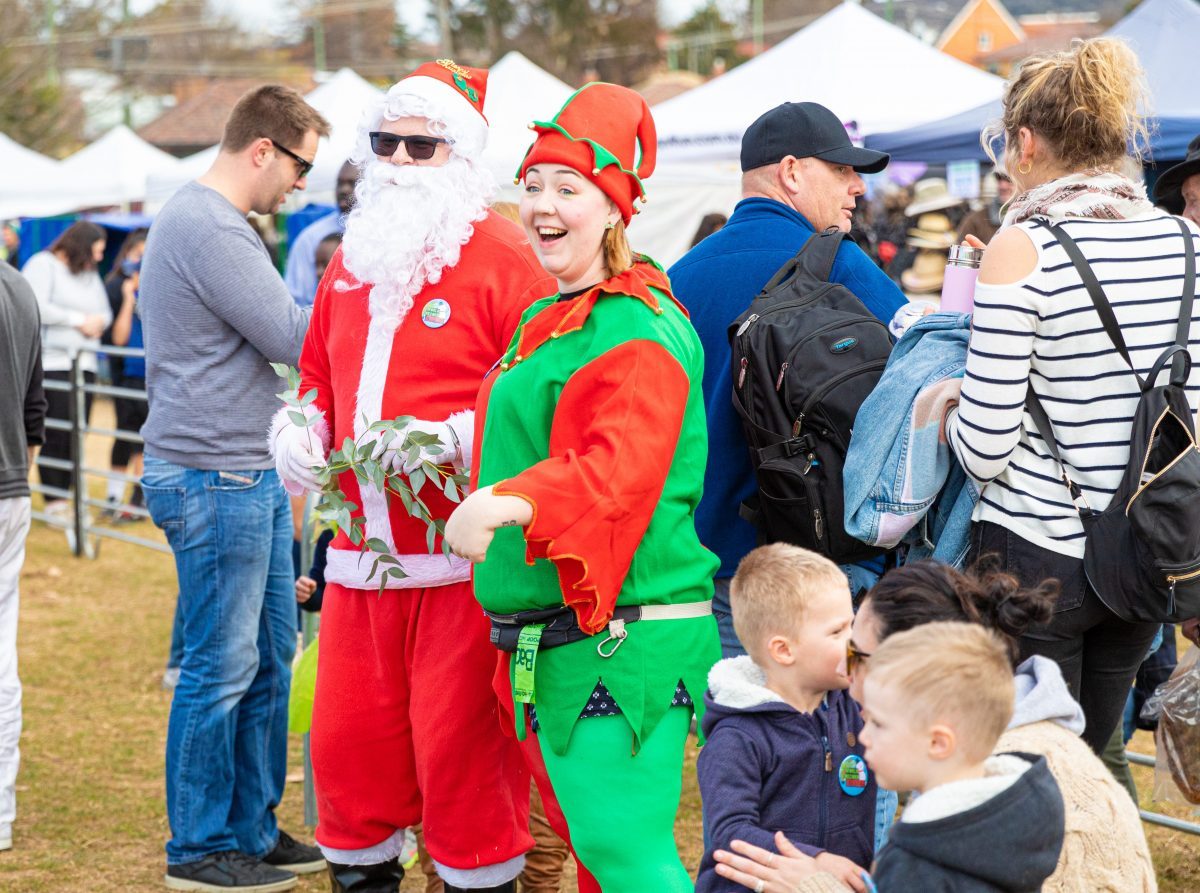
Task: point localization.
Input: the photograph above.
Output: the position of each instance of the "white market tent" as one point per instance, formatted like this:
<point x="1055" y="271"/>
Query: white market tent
<point x="32" y="184"/>
<point x="866" y="70"/>
<point x="116" y="167"/>
<point x="518" y="91"/>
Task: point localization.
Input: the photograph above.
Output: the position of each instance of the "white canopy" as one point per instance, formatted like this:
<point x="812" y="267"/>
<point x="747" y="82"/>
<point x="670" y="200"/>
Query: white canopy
<point x="518" y="91"/>
<point x="116" y="167"/>
<point x="341" y="99"/>
<point x="32" y="184"/>
<point x="866" y="70"/>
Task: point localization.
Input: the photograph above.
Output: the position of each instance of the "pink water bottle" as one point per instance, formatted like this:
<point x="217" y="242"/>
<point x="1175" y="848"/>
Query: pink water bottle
<point x="958" y="287"/>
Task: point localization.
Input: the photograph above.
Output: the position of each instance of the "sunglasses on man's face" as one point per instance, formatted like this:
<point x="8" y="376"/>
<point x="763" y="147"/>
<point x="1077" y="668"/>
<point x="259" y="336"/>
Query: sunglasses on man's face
<point x="302" y="165"/>
<point x="419" y="147"/>
<point x="854" y="658"/>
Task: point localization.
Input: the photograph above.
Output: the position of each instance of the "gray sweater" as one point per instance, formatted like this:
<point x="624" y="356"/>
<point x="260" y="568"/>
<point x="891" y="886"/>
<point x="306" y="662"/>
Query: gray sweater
<point x="22" y="400"/>
<point x="214" y="313"/>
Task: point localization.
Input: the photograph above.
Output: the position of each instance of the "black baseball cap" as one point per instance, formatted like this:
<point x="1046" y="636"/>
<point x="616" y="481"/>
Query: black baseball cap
<point x="805" y="130"/>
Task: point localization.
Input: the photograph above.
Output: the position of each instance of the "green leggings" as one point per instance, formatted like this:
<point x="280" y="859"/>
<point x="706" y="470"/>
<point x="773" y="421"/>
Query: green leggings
<point x="620" y="806"/>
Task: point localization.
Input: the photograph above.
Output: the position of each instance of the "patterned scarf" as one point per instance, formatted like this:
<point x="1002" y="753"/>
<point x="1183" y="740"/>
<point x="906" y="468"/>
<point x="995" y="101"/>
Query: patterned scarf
<point x="1100" y="195"/>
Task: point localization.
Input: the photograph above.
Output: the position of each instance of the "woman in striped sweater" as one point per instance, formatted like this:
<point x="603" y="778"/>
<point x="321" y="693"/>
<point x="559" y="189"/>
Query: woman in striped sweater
<point x="1069" y="119"/>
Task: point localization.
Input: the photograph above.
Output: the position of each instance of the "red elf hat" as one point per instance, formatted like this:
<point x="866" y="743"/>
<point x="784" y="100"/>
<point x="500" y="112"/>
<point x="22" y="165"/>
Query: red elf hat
<point x="606" y="133"/>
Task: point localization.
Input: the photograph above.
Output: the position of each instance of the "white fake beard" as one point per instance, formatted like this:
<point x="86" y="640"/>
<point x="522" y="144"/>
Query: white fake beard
<point x="409" y="224"/>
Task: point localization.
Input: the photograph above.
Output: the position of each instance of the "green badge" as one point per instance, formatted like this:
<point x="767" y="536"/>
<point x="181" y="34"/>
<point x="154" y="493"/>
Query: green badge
<point x="523" y="662"/>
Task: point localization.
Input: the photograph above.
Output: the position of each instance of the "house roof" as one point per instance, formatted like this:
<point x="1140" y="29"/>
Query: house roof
<point x="664" y="85"/>
<point x="199" y="120"/>
<point x="964" y="16"/>
<point x="1046" y="34"/>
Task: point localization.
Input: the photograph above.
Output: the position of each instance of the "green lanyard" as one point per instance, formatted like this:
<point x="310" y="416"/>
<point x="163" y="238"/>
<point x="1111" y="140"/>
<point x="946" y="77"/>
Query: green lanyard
<point x="523" y="661"/>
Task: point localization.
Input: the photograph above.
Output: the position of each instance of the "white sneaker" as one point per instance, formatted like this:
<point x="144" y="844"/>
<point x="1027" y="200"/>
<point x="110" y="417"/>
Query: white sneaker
<point x="408" y="852"/>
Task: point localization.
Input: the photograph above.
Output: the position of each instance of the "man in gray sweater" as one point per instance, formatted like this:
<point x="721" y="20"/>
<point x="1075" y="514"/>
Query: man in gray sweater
<point x="22" y="431"/>
<point x="215" y="313"/>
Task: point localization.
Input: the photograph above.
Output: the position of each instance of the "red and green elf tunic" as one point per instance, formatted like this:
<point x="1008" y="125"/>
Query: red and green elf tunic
<point x="595" y="417"/>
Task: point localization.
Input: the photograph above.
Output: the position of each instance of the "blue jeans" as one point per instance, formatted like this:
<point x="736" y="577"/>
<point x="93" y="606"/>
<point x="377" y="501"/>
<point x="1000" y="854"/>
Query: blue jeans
<point x="231" y="533"/>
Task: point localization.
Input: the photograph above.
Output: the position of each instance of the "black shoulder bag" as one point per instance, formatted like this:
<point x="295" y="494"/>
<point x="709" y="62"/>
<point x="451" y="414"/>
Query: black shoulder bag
<point x="1142" y="553"/>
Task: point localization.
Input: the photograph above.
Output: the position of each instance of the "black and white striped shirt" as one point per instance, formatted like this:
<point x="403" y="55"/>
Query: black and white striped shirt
<point x="1045" y="329"/>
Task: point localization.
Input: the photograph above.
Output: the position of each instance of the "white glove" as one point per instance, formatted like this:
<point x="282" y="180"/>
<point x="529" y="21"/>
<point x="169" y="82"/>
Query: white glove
<point x="297" y="450"/>
<point x="447" y="450"/>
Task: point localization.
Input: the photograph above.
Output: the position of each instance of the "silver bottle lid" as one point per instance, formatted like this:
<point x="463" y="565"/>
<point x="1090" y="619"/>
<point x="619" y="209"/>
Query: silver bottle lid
<point x="965" y="256"/>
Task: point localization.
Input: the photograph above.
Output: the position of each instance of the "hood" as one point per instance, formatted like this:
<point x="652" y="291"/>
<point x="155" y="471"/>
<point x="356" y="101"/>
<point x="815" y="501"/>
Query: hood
<point x="1005" y="830"/>
<point x="1042" y="694"/>
<point x="737" y="685"/>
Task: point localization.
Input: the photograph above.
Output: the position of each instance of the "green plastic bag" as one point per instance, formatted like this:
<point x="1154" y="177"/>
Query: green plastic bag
<point x="304" y="689"/>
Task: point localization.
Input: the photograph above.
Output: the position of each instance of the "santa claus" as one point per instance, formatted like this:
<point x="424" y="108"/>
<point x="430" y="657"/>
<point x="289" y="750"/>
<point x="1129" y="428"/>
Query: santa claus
<point x="414" y="309"/>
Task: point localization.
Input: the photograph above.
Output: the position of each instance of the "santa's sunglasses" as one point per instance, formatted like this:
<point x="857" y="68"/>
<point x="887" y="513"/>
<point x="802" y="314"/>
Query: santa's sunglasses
<point x="418" y="147"/>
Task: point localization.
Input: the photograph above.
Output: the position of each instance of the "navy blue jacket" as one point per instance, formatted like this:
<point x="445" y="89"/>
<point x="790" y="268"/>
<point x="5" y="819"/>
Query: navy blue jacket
<point x="767" y="767"/>
<point x="716" y="281"/>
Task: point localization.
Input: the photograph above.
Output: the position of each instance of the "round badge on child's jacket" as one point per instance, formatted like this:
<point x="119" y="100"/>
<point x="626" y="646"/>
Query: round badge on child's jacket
<point x="852" y="775"/>
<point x="436" y="313"/>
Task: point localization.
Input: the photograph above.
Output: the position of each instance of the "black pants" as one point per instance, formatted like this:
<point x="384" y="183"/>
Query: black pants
<point x="58" y="443"/>
<point x="1099" y="653"/>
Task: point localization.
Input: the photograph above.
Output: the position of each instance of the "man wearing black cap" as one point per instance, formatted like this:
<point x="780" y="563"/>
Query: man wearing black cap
<point x="800" y="176"/>
<point x="1178" y="189"/>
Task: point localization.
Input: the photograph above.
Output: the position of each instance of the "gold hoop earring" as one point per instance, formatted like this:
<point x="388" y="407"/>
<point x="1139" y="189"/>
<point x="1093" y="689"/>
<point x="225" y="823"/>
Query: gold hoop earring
<point x="1024" y="167"/>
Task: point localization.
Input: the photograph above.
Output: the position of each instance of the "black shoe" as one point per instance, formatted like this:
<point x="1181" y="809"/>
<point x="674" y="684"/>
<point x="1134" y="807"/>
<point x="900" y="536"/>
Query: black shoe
<point x="384" y="877"/>
<point x="229" y="871"/>
<point x="510" y="887"/>
<point x="292" y="855"/>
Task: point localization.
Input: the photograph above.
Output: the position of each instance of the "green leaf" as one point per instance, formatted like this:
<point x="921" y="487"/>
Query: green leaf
<point x="416" y="480"/>
<point x="293" y="378"/>
<point x="348" y="449"/>
<point x="298" y="418"/>
<point x="280" y="369"/>
<point x="396" y="572"/>
<point x="430" y="535"/>
<point x="451" y="491"/>
<point x="389" y="559"/>
<point x="309" y="397"/>
<point x="377" y="545"/>
<point x="401" y="420"/>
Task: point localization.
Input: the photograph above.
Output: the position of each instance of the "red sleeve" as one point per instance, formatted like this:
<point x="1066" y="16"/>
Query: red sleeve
<point x="314" y="355"/>
<point x="611" y="447"/>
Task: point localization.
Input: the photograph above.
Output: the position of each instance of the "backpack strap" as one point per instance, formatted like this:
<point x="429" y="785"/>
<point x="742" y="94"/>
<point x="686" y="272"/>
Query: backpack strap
<point x="1181" y="365"/>
<point x="1103" y="308"/>
<point x="815" y="259"/>
<point x="1041" y="421"/>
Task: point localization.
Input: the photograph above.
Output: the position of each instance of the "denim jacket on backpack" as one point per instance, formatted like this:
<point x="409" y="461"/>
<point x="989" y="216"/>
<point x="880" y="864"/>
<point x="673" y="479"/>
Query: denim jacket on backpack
<point x="902" y="482"/>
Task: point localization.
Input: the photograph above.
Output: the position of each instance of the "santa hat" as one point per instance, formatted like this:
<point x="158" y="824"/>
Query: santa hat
<point x="607" y="134"/>
<point x="447" y="92"/>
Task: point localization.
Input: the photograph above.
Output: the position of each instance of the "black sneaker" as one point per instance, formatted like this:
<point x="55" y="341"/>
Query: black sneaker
<point x="292" y="855"/>
<point x="229" y="871"/>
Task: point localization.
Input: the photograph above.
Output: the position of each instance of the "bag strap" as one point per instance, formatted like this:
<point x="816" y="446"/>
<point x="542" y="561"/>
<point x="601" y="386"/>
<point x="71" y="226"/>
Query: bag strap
<point x="1103" y="308"/>
<point x="816" y="259"/>
<point x="1181" y="365"/>
<point x="1041" y="421"/>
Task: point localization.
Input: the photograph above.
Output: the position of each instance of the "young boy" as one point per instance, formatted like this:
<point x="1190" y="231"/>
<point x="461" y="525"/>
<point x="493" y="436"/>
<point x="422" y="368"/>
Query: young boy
<point x="783" y="750"/>
<point x="936" y="700"/>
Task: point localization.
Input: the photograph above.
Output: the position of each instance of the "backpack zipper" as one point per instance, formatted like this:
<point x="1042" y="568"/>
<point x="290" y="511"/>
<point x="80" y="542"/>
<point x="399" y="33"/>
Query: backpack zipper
<point x="1180" y="578"/>
<point x="745" y="325"/>
<point x="742" y="373"/>
<point x="779" y="381"/>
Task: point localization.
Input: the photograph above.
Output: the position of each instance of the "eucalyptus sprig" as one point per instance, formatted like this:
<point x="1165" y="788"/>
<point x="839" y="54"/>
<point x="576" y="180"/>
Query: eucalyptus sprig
<point x="335" y="512"/>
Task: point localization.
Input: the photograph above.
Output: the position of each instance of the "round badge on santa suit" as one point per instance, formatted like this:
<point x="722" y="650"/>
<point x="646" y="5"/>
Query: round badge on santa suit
<point x="852" y="775"/>
<point x="436" y="313"/>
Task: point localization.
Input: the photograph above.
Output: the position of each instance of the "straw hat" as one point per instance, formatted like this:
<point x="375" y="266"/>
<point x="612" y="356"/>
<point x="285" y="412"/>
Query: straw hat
<point x="933" y="230"/>
<point x="926" y="273"/>
<point x="931" y="194"/>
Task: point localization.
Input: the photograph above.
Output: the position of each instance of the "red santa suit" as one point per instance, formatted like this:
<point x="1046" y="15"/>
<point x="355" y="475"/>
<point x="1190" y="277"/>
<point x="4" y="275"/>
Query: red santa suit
<point x="406" y="727"/>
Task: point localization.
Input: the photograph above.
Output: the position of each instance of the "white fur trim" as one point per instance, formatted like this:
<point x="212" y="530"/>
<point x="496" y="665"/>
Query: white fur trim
<point x="463" y="426"/>
<point x="466" y="123"/>
<point x="952" y="798"/>
<point x="482" y="877"/>
<point x="280" y="421"/>
<point x="740" y="683"/>
<point x="351" y="568"/>
<point x="389" y="848"/>
<point x="369" y="405"/>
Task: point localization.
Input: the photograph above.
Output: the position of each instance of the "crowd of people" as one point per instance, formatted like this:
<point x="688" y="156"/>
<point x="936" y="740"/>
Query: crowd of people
<point x="529" y="689"/>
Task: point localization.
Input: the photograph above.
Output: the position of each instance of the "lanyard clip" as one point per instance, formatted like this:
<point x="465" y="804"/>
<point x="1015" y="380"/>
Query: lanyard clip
<point x="616" y="635"/>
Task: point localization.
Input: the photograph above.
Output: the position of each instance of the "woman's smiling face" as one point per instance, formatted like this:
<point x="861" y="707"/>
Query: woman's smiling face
<point x="565" y="216"/>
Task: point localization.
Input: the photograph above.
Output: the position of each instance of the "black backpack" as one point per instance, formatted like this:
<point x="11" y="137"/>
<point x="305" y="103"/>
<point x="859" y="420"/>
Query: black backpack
<point x="1142" y="553"/>
<point x="805" y="356"/>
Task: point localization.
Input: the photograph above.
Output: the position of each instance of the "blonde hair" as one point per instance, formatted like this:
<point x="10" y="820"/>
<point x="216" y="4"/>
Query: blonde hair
<point x="618" y="256"/>
<point x="508" y="210"/>
<point x="953" y="673"/>
<point x="1083" y="101"/>
<point x="773" y="586"/>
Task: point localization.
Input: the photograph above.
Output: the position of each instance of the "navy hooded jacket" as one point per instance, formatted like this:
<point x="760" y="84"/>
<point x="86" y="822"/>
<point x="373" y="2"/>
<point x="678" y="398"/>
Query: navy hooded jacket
<point x="768" y="767"/>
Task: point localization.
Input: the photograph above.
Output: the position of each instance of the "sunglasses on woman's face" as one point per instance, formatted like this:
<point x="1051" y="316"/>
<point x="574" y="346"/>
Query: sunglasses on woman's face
<point x="419" y="147"/>
<point x="854" y="658"/>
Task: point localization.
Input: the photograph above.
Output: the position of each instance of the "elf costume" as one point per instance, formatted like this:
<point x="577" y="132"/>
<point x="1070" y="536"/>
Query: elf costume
<point x="405" y="722"/>
<point x="595" y="418"/>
